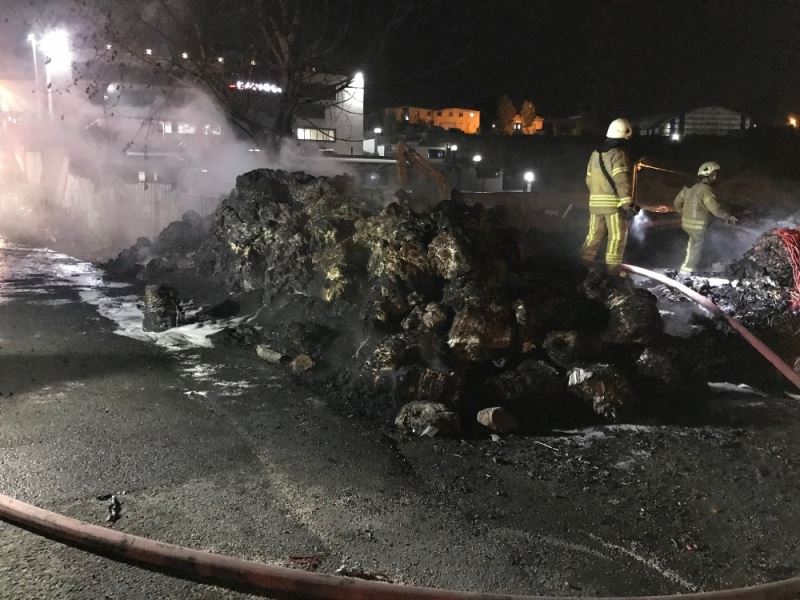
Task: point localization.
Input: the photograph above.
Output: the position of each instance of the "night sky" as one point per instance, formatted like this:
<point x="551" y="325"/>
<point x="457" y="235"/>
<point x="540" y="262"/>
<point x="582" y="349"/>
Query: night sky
<point x="610" y="57"/>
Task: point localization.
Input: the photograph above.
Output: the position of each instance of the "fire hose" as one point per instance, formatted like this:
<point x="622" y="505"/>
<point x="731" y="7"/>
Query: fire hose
<point x="707" y="303"/>
<point x="281" y="582"/>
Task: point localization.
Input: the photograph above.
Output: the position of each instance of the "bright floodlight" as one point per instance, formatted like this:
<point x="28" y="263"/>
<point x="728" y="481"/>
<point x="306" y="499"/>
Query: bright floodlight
<point x="529" y="176"/>
<point x="31" y="38"/>
<point x="55" y="46"/>
<point x="454" y="147"/>
<point x="792" y="121"/>
<point x="378" y="131"/>
<point x="675" y="137"/>
<point x="184" y="55"/>
<point x="477" y="158"/>
<point x="358" y="80"/>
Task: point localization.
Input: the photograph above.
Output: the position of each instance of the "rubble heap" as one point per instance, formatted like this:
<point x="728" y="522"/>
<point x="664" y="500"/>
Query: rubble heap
<point x="448" y="320"/>
<point x="759" y="295"/>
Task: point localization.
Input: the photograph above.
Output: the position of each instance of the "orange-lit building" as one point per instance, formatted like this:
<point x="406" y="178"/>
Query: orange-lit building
<point x="519" y="125"/>
<point x="467" y="120"/>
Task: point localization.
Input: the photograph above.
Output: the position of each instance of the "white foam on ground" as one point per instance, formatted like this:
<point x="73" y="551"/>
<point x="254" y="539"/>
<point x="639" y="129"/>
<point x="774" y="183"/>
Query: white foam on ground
<point x="22" y="266"/>
<point x="737" y="388"/>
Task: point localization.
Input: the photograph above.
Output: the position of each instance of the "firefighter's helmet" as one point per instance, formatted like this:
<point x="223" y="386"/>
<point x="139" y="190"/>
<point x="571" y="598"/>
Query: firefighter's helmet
<point x="707" y="168"/>
<point x="619" y="129"/>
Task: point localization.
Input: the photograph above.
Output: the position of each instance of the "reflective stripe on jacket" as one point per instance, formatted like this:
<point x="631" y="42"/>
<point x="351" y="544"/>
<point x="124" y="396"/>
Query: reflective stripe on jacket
<point x="602" y="200"/>
<point x="695" y="204"/>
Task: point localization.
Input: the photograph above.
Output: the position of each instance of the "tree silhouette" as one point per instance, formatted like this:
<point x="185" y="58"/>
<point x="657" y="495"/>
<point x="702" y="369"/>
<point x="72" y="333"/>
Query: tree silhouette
<point x="506" y="111"/>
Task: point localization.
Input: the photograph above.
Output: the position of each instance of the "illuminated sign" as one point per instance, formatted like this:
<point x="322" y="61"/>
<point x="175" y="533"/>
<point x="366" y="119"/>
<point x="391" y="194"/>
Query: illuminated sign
<point x="254" y="86"/>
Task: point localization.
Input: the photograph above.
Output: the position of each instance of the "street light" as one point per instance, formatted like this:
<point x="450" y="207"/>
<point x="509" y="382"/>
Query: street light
<point x="477" y="160"/>
<point x="377" y="131"/>
<point x="32" y="42"/>
<point x="54" y="45"/>
<point x="529" y="178"/>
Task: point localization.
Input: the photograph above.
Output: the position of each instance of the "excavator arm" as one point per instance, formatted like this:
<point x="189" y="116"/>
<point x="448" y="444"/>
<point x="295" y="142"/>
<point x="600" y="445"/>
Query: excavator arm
<point x="408" y="158"/>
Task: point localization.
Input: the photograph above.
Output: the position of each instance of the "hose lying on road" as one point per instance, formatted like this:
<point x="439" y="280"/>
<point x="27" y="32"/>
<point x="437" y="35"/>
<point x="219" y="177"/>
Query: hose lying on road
<point x="281" y="582"/>
<point x="756" y="343"/>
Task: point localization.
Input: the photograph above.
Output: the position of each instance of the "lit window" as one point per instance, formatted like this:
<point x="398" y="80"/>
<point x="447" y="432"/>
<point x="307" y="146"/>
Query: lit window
<point x="149" y="52"/>
<point x="212" y="130"/>
<point x="252" y="63"/>
<point x="186" y="129"/>
<point x="166" y="127"/>
<point x="316" y="135"/>
<point x="472" y="115"/>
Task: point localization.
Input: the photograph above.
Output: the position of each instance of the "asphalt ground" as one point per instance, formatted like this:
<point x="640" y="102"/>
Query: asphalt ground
<point x="218" y="451"/>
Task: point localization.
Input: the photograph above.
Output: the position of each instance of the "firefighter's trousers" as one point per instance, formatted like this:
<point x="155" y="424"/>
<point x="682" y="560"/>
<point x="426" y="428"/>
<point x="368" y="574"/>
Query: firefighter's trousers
<point x="616" y="228"/>
<point x="694" y="249"/>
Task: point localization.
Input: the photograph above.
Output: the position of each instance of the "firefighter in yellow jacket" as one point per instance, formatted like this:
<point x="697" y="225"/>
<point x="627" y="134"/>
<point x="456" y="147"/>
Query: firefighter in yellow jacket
<point x="608" y="177"/>
<point x="695" y="205"/>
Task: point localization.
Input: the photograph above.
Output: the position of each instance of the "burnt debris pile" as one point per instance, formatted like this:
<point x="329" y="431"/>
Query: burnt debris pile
<point x="446" y="322"/>
<point x="757" y="291"/>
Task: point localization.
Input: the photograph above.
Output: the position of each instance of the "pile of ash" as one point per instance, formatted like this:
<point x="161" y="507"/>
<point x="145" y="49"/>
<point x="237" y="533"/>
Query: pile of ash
<point x="451" y="321"/>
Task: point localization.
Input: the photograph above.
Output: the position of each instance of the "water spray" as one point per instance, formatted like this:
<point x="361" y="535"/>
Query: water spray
<point x="639" y="225"/>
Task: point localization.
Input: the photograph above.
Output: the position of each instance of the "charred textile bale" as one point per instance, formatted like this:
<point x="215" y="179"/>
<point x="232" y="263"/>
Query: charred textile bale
<point x="396" y="241"/>
<point x="130" y="261"/>
<point x="431" y="317"/>
<point x="498" y="420"/>
<point x="571" y="348"/>
<point x="448" y="256"/>
<point x="182" y="239"/>
<point x="531" y="392"/>
<point x="391" y="354"/>
<point x="481" y="330"/>
<point x="162" y="309"/>
<point x="633" y="318"/>
<point x="445" y="387"/>
<point x="766" y="258"/>
<point x="607" y="391"/>
<point x="429" y="418"/>
<point x="671" y="378"/>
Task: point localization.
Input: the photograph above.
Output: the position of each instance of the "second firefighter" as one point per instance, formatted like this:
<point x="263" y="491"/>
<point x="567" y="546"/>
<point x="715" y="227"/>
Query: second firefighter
<point x="696" y="204"/>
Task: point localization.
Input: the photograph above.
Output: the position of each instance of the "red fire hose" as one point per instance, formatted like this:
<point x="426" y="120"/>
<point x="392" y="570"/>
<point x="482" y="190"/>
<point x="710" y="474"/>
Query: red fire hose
<point x="279" y="582"/>
<point x="756" y="343"/>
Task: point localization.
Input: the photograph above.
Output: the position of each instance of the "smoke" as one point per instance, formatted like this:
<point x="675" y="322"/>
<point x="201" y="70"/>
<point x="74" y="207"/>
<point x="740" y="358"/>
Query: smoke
<point x="104" y="171"/>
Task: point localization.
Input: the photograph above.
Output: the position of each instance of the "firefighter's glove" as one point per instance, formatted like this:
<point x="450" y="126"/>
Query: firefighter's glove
<point x="628" y="211"/>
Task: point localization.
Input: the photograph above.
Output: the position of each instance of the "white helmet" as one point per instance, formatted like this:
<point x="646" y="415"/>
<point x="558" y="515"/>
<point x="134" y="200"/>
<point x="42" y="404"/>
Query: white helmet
<point x="707" y="168"/>
<point x="619" y="129"/>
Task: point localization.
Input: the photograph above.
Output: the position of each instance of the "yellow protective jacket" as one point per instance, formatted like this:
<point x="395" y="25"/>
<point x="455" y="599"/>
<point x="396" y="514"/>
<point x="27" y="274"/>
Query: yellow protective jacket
<point x="695" y="204"/>
<point x="602" y="200"/>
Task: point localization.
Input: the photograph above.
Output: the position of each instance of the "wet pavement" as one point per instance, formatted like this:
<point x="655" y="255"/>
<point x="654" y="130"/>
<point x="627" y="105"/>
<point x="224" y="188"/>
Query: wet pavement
<point x="215" y="450"/>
